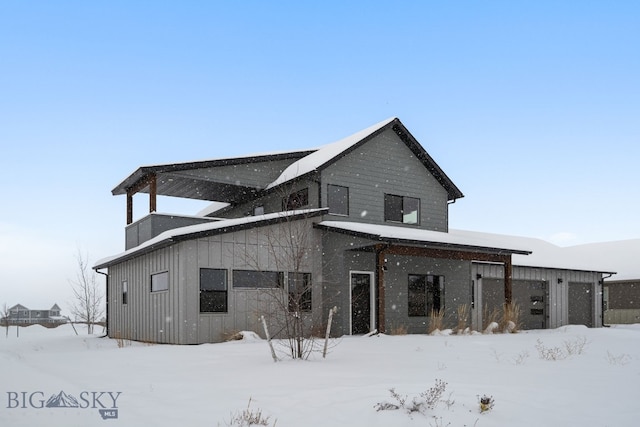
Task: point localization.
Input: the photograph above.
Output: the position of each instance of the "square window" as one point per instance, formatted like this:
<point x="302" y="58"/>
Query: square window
<point x="338" y="199"/>
<point x="258" y="210"/>
<point x="160" y="281"/>
<point x="213" y="290"/>
<point x="401" y="209"/>
<point x="425" y="294"/>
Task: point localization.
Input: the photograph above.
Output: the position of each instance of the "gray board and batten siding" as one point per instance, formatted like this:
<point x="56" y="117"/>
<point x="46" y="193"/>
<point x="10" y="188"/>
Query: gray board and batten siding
<point x="173" y="315"/>
<point x="563" y="289"/>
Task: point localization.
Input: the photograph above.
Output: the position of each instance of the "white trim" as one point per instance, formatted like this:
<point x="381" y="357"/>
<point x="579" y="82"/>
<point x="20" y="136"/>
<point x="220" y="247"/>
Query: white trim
<point x="372" y="300"/>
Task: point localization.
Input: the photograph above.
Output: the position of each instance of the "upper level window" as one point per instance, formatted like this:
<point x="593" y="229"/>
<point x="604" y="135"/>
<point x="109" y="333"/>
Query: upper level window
<point x="258" y="210"/>
<point x="257" y="279"/>
<point x="160" y="281"/>
<point x="338" y="199"/>
<point x="213" y="290"/>
<point x="425" y="294"/>
<point x="401" y="209"/>
<point x="296" y="200"/>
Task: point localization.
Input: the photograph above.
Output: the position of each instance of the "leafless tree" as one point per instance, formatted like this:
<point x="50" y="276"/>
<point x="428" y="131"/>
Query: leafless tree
<point x="88" y="296"/>
<point x="4" y="315"/>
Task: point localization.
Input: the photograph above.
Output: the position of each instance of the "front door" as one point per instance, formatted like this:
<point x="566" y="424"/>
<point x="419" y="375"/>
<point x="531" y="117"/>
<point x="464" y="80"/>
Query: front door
<point x="362" y="308"/>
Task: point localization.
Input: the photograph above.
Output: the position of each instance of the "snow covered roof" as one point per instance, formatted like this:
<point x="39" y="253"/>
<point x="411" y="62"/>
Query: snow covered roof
<point x="622" y="255"/>
<point x="201" y="230"/>
<point x="527" y="252"/>
<point x="326" y="153"/>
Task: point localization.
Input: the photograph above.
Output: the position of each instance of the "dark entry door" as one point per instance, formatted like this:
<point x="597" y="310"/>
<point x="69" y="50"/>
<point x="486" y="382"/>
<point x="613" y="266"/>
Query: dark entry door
<point x="361" y="303"/>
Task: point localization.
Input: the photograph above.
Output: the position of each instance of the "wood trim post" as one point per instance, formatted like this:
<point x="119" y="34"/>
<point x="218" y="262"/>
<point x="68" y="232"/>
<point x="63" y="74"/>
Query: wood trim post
<point x="508" y="273"/>
<point x="380" y="288"/>
<point x="129" y="207"/>
<point x="153" y="192"/>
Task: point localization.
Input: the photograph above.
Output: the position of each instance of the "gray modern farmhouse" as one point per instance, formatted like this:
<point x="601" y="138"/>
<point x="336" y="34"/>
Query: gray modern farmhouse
<point x="360" y="224"/>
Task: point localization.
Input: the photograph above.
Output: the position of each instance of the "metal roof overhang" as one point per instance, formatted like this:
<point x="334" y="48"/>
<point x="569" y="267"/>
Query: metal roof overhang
<point x="422" y="244"/>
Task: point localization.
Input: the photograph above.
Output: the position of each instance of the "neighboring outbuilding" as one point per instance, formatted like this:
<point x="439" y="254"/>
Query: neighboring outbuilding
<point x="361" y="225"/>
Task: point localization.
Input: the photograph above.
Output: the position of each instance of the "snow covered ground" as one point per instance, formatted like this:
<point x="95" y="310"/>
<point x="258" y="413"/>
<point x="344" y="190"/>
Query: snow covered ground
<point x="95" y="381"/>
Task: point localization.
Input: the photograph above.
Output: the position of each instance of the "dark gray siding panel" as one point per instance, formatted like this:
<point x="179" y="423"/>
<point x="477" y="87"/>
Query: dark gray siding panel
<point x="385" y="165"/>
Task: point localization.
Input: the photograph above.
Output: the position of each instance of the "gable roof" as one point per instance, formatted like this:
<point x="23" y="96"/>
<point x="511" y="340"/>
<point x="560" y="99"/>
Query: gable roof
<point x="191" y="180"/>
<point x="328" y="154"/>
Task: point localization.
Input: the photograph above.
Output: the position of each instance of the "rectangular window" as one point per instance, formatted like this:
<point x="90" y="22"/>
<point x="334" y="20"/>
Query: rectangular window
<point x="296" y="200"/>
<point x="124" y="292"/>
<point x="213" y="290"/>
<point x="250" y="279"/>
<point x="299" y="291"/>
<point x="258" y="210"/>
<point x="338" y="199"/>
<point x="160" y="281"/>
<point x="401" y="209"/>
<point x="426" y="294"/>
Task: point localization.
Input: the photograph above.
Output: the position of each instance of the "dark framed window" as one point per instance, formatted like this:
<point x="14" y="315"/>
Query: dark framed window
<point x="338" y="199"/>
<point x="426" y="294"/>
<point x="299" y="285"/>
<point x="251" y="279"/>
<point x="296" y="200"/>
<point x="160" y="281"/>
<point x="125" y="290"/>
<point x="401" y="209"/>
<point x="213" y="290"/>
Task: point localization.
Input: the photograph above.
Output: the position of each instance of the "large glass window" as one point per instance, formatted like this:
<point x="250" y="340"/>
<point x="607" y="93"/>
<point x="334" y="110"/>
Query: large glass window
<point x="160" y="281"/>
<point x="426" y="294"/>
<point x="299" y="291"/>
<point x="338" y="199"/>
<point x="257" y="279"/>
<point x="213" y="290"/>
<point x="296" y="200"/>
<point x="401" y="209"/>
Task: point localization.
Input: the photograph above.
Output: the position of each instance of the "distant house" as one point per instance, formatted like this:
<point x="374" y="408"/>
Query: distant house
<point x="361" y="224"/>
<point x="21" y="315"/>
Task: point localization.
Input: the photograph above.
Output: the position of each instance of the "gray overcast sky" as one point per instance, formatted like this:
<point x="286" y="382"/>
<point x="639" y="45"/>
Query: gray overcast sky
<point x="532" y="108"/>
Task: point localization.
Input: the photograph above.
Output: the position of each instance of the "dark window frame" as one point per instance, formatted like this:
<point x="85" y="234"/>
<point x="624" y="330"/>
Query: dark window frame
<point x="425" y="293"/>
<point x="299" y="302"/>
<point x="259" y="280"/>
<point x="159" y="274"/>
<point x="337" y="199"/>
<point x="396" y="207"/>
<point x="214" y="300"/>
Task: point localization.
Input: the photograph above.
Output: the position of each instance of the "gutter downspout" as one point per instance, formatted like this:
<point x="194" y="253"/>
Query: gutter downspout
<point x="106" y="297"/>
<point x="602" y="300"/>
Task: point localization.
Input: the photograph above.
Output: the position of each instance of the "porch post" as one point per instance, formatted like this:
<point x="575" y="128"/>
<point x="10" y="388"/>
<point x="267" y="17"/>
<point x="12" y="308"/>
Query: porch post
<point x="129" y="207"/>
<point x="153" y="190"/>
<point x="380" y="288"/>
<point x="508" y="272"/>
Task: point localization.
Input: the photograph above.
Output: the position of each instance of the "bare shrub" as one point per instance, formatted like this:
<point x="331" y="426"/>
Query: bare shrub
<point x="463" y="312"/>
<point x="521" y="357"/>
<point x="489" y="317"/>
<point x="549" y="353"/>
<point x="510" y="321"/>
<point x="576" y="346"/>
<point x="621" y="359"/>
<point x="426" y="400"/>
<point x="398" y="330"/>
<point x="232" y="336"/>
<point x="486" y="403"/>
<point x="249" y="417"/>
<point x="436" y="320"/>
<point x="88" y="304"/>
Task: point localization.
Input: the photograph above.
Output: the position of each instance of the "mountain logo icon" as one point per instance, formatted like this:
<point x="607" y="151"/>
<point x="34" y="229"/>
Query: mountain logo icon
<point x="62" y="400"/>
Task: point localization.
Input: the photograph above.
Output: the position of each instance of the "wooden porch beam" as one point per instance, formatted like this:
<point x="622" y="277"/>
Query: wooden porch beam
<point x="129" y="208"/>
<point x="153" y="192"/>
<point x="151" y="181"/>
<point x="508" y="273"/>
<point x="380" y="287"/>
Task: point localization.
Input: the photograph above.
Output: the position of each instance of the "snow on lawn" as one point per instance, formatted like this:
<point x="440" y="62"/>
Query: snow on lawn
<point x="166" y="385"/>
